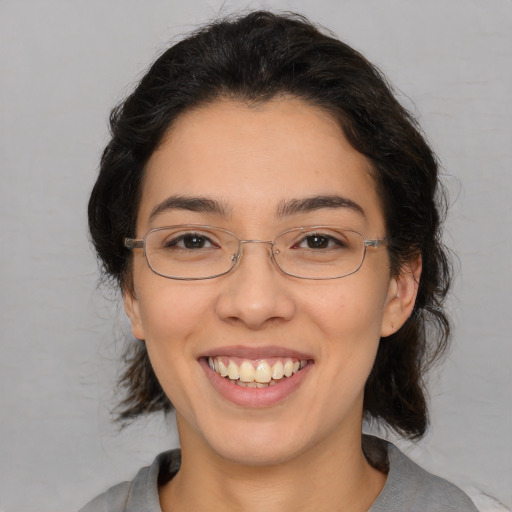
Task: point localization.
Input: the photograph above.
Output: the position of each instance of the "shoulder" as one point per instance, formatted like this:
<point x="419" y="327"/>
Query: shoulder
<point x="113" y="500"/>
<point x="409" y="488"/>
<point x="142" y="492"/>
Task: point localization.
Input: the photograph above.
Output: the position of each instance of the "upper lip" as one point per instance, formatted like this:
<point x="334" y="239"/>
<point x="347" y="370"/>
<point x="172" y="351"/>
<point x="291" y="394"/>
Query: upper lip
<point x="252" y="352"/>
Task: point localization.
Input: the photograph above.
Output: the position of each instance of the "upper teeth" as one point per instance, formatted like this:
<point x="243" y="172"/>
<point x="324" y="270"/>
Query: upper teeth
<point x="259" y="371"/>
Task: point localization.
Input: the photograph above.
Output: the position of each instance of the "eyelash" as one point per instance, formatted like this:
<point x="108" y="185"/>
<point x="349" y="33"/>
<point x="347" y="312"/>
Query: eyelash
<point x="174" y="242"/>
<point x="330" y="239"/>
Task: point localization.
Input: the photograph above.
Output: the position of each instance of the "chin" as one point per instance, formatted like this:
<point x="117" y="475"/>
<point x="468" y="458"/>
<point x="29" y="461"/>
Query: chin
<point x="259" y="445"/>
<point x="257" y="455"/>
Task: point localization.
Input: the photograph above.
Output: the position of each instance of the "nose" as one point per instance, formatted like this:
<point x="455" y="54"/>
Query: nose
<point x="255" y="293"/>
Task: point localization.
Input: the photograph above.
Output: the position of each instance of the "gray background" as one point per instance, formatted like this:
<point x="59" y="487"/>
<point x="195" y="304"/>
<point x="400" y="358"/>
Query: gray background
<point x="63" y="66"/>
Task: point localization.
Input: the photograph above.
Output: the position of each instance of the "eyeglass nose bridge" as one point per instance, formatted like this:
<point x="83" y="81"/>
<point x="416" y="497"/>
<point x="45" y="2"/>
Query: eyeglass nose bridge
<point x="235" y="258"/>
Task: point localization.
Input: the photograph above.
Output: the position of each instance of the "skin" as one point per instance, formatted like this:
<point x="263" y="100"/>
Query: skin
<point x="251" y="158"/>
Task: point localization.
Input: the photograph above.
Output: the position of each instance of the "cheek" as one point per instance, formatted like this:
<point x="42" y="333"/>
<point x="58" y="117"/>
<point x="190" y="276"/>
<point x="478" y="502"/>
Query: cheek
<point x="172" y="313"/>
<point x="350" y="310"/>
<point x="168" y="310"/>
<point x="348" y="319"/>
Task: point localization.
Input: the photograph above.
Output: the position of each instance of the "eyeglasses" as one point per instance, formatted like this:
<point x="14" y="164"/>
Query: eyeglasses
<point x="192" y="252"/>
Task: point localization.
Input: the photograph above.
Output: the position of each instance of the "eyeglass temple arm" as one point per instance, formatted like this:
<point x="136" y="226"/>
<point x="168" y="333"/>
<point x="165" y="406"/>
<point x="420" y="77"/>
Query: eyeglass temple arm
<point x="132" y="243"/>
<point x="375" y="243"/>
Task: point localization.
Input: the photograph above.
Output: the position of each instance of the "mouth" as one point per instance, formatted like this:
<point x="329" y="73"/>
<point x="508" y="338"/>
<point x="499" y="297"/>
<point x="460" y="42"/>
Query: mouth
<point x="256" y="373"/>
<point x="256" y="377"/>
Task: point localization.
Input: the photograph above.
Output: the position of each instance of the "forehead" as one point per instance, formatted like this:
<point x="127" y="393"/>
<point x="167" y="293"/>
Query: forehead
<point x="255" y="158"/>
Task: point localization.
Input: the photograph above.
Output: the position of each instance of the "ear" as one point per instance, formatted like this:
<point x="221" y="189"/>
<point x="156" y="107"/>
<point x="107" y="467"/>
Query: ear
<point x="131" y="306"/>
<point x="401" y="297"/>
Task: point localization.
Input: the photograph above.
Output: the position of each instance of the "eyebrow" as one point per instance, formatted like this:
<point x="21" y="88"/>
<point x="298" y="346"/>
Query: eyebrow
<point x="192" y="204"/>
<point x="311" y="204"/>
<point x="285" y="208"/>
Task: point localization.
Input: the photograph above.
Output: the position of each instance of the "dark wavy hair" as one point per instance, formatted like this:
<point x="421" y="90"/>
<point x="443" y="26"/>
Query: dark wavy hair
<point x="255" y="58"/>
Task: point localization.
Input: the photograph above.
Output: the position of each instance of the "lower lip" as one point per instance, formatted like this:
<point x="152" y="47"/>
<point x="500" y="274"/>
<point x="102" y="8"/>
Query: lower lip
<point x="255" y="397"/>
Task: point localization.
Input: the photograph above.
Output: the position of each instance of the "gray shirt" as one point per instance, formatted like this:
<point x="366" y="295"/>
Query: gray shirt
<point x="408" y="487"/>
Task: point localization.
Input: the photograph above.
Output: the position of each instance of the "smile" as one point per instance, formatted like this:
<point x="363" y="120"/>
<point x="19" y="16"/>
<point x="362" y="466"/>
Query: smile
<point x="258" y="373"/>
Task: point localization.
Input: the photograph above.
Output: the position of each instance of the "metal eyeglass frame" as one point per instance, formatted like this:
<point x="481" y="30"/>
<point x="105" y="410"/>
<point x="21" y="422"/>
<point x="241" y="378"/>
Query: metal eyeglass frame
<point x="140" y="243"/>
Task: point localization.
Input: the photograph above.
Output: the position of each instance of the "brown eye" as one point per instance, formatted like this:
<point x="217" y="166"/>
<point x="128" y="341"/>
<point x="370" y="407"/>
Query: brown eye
<point x="190" y="241"/>
<point x="194" y="241"/>
<point x="317" y="242"/>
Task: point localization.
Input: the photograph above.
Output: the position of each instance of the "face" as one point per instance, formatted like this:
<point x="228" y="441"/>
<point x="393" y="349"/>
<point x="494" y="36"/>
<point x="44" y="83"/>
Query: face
<point x="252" y="162"/>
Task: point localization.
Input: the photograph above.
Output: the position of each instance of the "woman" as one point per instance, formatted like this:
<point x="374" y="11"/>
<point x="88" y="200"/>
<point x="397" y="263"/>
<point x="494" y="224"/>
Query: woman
<point x="272" y="217"/>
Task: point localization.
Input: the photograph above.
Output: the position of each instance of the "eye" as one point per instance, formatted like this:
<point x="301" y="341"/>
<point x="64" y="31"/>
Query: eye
<point x="190" y="241"/>
<point x="318" y="241"/>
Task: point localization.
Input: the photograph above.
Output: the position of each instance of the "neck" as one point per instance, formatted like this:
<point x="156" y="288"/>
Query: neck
<point x="326" y="478"/>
